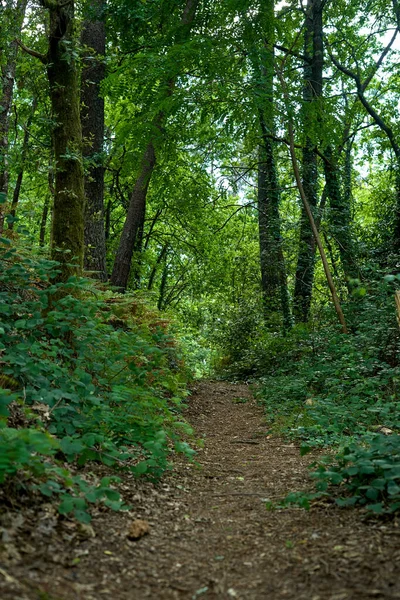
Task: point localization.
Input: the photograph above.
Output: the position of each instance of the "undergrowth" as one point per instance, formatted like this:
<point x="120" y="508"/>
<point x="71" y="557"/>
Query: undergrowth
<point x="85" y="376"/>
<point x="325" y="389"/>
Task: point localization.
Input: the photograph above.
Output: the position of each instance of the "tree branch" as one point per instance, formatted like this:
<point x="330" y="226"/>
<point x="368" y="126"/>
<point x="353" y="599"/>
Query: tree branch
<point x="379" y="61"/>
<point x="293" y="53"/>
<point x="42" y="57"/>
<point x="368" y="107"/>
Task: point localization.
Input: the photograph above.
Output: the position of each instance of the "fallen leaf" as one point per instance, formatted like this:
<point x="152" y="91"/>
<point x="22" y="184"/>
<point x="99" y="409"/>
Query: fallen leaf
<point x="138" y="528"/>
<point x="86" y="531"/>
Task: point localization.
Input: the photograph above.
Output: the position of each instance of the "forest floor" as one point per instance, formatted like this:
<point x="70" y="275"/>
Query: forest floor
<point x="210" y="533"/>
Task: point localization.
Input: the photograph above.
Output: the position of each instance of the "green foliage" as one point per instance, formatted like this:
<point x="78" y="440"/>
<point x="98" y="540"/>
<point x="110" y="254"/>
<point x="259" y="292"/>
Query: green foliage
<point x="367" y="474"/>
<point x="329" y="386"/>
<point x="97" y="380"/>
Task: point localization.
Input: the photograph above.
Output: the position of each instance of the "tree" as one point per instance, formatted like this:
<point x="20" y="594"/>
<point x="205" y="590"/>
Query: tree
<point x="12" y="15"/>
<point x="137" y="201"/>
<point x="93" y="41"/>
<point x="69" y="198"/>
<point x="273" y="272"/>
<point x="312" y="92"/>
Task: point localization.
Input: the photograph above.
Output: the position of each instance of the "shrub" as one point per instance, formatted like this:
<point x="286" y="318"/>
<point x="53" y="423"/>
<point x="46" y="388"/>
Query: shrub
<point x="93" y="377"/>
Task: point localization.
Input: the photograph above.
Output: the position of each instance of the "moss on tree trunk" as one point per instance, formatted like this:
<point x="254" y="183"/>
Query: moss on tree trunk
<point x="69" y="198"/>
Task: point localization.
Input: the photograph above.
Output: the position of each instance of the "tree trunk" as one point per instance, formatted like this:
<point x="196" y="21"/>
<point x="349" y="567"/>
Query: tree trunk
<point x="48" y="202"/>
<point x="312" y="91"/>
<point x="137" y="251"/>
<point x="93" y="40"/>
<point x="272" y="262"/>
<point x="24" y="151"/>
<point x="160" y="259"/>
<point x="137" y="203"/>
<point x="69" y="199"/>
<point x="136" y="210"/>
<point x="340" y="217"/>
<point x="163" y="285"/>
<point x="9" y="51"/>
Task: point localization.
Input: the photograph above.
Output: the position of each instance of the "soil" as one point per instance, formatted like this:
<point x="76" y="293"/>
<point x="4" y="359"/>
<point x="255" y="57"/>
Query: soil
<point x="210" y="534"/>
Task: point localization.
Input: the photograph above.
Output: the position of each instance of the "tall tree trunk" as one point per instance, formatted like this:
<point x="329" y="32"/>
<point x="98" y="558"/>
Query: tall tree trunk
<point x="134" y="217"/>
<point x="340" y="217"/>
<point x="20" y="175"/>
<point x="15" y="15"/>
<point x="272" y="262"/>
<point x="69" y="199"/>
<point x="137" y="202"/>
<point x="312" y="91"/>
<point x="93" y="40"/>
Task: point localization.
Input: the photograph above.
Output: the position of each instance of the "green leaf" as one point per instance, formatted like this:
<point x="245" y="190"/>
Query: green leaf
<point x="377" y="508"/>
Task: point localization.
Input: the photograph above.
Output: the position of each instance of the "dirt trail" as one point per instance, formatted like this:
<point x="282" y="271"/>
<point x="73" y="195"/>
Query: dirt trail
<point x="211" y="535"/>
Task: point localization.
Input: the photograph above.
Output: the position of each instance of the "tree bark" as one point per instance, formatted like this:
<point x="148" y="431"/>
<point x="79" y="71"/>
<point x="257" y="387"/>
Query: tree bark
<point x="273" y="273"/>
<point x="137" y="203"/>
<point x="93" y="40"/>
<point x="340" y="217"/>
<point x="272" y="261"/>
<point x="160" y="259"/>
<point x="312" y="91"/>
<point x="9" y="51"/>
<point x="69" y="198"/>
<point x="134" y="217"/>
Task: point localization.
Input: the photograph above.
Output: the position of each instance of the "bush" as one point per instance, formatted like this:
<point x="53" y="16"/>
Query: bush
<point x="368" y="474"/>
<point x="97" y="379"/>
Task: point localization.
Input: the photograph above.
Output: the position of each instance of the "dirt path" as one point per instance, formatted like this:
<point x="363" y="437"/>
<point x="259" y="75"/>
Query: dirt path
<point x="211" y="536"/>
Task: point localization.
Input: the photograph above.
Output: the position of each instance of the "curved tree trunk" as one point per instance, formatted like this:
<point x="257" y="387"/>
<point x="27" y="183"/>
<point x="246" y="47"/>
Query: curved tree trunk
<point x="134" y="217"/>
<point x="93" y="40"/>
<point x="137" y="202"/>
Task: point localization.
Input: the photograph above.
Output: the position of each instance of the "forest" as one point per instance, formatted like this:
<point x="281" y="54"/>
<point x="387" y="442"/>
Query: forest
<point x="199" y="203"/>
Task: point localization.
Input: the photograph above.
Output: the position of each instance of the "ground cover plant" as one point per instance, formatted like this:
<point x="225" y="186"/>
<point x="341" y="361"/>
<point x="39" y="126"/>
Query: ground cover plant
<point x="327" y="390"/>
<point x="86" y="376"/>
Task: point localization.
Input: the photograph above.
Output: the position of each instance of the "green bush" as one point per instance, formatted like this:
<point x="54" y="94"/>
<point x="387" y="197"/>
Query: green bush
<point x="367" y="474"/>
<point x="92" y="385"/>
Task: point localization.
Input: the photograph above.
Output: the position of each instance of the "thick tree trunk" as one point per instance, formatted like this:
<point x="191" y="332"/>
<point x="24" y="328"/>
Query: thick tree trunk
<point x="15" y="15"/>
<point x="69" y="199"/>
<point x="313" y="51"/>
<point x="137" y="203"/>
<point x="93" y="40"/>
